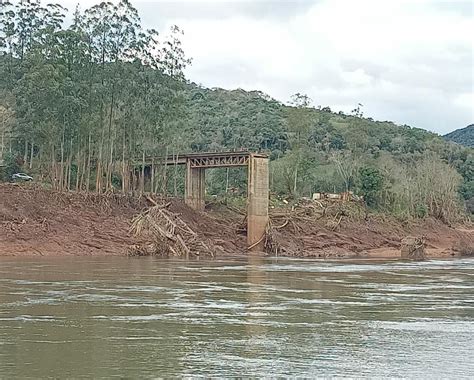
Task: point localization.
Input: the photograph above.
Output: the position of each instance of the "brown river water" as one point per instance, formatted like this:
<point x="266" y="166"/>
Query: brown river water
<point x="147" y="318"/>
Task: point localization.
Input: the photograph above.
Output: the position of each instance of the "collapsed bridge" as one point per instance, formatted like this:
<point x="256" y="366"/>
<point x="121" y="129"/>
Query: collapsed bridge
<point x="257" y="185"/>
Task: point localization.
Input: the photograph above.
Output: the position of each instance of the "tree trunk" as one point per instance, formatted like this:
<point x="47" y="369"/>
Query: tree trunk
<point x="142" y="174"/>
<point x="61" y="176"/>
<point x="88" y="173"/>
<point x="69" y="164"/>
<point x="152" y="186"/>
<point x="98" y="182"/>
<point x="165" y="167"/>
<point x="31" y="154"/>
<point x="176" y="176"/>
<point x="110" y="167"/>
<point x="124" y="174"/>
<point x="54" y="176"/>
<point x="296" y="181"/>
<point x="108" y="174"/>
<point x="226" y="182"/>
<point x="3" y="143"/>
<point x="25" y="153"/>
<point x="80" y="171"/>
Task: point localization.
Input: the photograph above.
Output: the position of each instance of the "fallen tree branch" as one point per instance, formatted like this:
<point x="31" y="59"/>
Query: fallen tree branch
<point x="167" y="234"/>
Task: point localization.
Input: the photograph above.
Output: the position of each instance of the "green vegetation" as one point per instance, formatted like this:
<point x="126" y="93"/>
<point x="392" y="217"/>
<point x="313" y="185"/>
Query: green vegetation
<point x="10" y="166"/>
<point x="371" y="184"/>
<point x="463" y="136"/>
<point x="86" y="103"/>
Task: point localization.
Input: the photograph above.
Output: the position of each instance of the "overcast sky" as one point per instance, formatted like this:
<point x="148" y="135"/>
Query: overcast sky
<point x="410" y="61"/>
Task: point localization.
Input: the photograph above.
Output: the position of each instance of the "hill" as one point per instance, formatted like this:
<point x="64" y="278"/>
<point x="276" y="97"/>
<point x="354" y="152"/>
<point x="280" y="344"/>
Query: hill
<point x="317" y="150"/>
<point x="463" y="136"/>
<point x="82" y="105"/>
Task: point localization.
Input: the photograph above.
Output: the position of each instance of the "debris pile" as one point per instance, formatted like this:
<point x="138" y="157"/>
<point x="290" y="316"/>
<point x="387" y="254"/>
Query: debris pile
<point x="166" y="235"/>
<point x="413" y="248"/>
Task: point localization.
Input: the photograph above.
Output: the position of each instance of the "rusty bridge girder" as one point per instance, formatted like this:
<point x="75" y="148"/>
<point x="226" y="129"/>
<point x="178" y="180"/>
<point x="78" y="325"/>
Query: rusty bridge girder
<point x="205" y="160"/>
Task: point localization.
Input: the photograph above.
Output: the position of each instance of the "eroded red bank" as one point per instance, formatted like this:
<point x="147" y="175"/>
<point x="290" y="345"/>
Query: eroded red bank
<point x="35" y="221"/>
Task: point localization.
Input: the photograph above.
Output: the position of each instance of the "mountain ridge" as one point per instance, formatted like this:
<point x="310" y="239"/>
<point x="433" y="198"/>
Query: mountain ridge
<point x="463" y="136"/>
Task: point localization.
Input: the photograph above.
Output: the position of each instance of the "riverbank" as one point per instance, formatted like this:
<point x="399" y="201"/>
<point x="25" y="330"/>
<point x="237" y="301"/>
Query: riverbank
<point x="36" y="221"/>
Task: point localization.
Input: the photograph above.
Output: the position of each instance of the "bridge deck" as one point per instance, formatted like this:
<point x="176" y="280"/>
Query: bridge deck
<point x="207" y="160"/>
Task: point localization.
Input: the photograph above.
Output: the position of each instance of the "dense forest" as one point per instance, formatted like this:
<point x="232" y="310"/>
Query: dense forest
<point x="463" y="136"/>
<point x="83" y="103"/>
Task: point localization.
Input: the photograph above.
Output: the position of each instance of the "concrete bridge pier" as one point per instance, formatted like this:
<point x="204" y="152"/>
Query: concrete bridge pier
<point x="195" y="187"/>
<point x="257" y="202"/>
<point x="257" y="194"/>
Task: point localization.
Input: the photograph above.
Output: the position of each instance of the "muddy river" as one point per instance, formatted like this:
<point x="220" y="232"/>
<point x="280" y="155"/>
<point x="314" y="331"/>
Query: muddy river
<point x="144" y="317"/>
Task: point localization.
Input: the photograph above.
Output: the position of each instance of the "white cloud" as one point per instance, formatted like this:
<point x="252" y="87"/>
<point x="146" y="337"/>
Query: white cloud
<point x="411" y="61"/>
<point x="464" y="100"/>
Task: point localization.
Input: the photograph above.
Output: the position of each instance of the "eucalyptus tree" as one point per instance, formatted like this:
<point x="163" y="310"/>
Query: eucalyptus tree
<point x="300" y="118"/>
<point x="29" y="42"/>
<point x="100" y="91"/>
<point x="131" y="63"/>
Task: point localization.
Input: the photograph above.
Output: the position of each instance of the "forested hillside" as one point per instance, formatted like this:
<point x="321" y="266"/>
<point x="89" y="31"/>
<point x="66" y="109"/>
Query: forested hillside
<point x="82" y="105"/>
<point x="463" y="136"/>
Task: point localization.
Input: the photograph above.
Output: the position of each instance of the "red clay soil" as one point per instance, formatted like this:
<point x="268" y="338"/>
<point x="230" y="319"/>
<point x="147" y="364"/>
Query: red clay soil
<point x="374" y="239"/>
<point x="35" y="221"/>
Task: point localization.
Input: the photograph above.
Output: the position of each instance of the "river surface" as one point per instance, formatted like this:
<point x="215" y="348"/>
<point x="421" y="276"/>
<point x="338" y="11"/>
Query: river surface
<point x="144" y="317"/>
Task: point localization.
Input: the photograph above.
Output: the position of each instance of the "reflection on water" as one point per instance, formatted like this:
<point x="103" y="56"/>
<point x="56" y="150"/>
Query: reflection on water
<point x="103" y="317"/>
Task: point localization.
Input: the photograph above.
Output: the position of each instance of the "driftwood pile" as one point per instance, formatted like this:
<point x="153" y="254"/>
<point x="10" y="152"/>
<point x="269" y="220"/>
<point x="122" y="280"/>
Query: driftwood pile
<point x="166" y="235"/>
<point x="300" y="214"/>
<point x="413" y="248"/>
<point x="329" y="211"/>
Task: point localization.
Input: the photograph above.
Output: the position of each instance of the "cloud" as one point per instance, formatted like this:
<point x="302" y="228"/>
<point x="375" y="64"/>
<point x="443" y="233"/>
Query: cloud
<point x="405" y="61"/>
<point x="411" y="61"/>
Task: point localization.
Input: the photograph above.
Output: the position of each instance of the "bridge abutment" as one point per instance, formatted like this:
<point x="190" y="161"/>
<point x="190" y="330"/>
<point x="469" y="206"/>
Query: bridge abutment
<point x="195" y="188"/>
<point x="257" y="202"/>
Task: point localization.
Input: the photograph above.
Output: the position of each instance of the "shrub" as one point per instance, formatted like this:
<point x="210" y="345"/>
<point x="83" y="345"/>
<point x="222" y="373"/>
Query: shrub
<point x="11" y="166"/>
<point x="370" y="183"/>
<point x="426" y="187"/>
